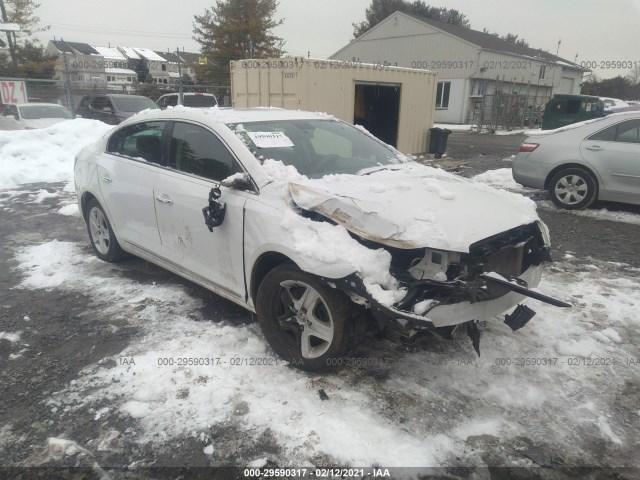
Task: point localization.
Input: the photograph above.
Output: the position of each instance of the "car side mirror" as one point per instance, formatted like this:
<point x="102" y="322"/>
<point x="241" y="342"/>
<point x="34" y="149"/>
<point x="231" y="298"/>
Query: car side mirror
<point x="238" y="181"/>
<point x="214" y="213"/>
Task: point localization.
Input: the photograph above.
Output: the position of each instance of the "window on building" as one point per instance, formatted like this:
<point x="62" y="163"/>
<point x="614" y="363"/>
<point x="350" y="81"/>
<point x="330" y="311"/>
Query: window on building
<point x="442" y="94"/>
<point x="164" y="67"/>
<point x="543" y="69"/>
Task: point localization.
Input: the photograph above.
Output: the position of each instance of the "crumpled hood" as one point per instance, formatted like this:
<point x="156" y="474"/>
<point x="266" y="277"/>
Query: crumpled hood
<point x="413" y="206"/>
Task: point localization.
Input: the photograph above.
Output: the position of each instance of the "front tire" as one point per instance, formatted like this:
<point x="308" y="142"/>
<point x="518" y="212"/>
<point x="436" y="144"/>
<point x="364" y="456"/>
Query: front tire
<point x="306" y="322"/>
<point x="103" y="240"/>
<point x="573" y="188"/>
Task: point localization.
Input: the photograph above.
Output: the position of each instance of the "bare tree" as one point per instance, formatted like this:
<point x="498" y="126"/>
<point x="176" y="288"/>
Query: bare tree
<point x="21" y="12"/>
<point x="634" y="75"/>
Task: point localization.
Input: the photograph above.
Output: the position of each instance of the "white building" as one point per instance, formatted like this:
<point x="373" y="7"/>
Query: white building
<point x="470" y="64"/>
<point x="118" y="75"/>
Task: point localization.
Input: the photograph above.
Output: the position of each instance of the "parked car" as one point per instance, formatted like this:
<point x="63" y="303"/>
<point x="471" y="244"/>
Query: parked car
<point x="25" y="116"/>
<point x="585" y="162"/>
<point x="312" y="223"/>
<point x="197" y="100"/>
<point x="112" y="108"/>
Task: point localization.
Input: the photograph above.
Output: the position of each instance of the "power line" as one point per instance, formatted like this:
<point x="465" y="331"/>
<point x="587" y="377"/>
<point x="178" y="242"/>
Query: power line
<point x="128" y="32"/>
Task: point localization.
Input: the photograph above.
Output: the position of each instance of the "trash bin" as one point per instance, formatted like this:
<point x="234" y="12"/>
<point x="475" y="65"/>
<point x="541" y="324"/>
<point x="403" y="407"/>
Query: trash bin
<point x="438" y="140"/>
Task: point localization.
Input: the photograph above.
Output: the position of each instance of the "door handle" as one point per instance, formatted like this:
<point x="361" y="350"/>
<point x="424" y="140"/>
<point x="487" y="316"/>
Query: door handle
<point x="164" y="199"/>
<point x="106" y="178"/>
<point x="594" y="148"/>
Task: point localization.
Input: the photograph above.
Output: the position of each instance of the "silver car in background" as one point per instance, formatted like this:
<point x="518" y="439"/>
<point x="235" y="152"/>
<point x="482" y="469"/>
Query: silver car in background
<point x="584" y="162"/>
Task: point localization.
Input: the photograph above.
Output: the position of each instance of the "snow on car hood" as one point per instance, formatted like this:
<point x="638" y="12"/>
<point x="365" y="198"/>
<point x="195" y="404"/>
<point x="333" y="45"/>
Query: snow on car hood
<point x="414" y="206"/>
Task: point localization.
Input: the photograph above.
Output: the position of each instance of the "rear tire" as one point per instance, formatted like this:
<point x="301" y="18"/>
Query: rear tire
<point x="573" y="188"/>
<point x="306" y="322"/>
<point x="103" y="240"/>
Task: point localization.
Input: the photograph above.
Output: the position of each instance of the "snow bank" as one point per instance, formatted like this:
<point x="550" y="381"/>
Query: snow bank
<point x="45" y="155"/>
<point x="499" y="178"/>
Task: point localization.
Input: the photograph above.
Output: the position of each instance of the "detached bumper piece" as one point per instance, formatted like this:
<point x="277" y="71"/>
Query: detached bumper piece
<point x="519" y="318"/>
<point x="517" y="287"/>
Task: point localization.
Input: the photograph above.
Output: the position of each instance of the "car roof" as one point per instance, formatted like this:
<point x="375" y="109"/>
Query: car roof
<point x="115" y="95"/>
<point x="39" y="104"/>
<point x="229" y="115"/>
<point x="189" y="94"/>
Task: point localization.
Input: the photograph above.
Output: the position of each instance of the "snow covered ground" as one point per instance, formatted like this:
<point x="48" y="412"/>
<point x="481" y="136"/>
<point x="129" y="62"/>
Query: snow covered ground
<point x="562" y="389"/>
<point x="559" y="382"/>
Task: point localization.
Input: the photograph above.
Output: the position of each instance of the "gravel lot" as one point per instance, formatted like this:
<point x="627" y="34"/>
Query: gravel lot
<point x="69" y="392"/>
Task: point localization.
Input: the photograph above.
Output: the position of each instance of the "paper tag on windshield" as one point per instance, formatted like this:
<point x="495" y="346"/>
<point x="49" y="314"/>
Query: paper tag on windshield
<point x="270" y="139"/>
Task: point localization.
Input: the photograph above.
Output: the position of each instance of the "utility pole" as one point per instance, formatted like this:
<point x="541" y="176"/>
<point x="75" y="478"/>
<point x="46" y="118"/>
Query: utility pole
<point x="67" y="83"/>
<point x="10" y="38"/>
<point x="180" y="92"/>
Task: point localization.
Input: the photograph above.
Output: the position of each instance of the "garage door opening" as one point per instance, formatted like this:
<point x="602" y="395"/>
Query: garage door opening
<point x="377" y="109"/>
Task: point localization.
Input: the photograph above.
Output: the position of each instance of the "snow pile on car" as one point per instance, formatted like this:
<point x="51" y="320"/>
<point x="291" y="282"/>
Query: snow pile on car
<point x="404" y="206"/>
<point x="45" y="155"/>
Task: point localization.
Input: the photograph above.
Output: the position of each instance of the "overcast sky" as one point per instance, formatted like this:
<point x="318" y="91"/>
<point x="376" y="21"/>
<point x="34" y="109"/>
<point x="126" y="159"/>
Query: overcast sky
<point x="596" y="30"/>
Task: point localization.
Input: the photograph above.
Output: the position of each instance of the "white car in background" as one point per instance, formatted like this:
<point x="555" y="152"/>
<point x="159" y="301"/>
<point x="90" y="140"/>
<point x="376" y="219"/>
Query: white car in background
<point x="189" y="99"/>
<point x="312" y="223"/>
<point x="26" y="116"/>
<point x="584" y="162"/>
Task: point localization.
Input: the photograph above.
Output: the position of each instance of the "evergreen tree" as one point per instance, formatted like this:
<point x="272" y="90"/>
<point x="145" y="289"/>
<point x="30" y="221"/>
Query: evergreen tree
<point x="32" y="62"/>
<point x="141" y="67"/>
<point x="381" y="9"/>
<point x="233" y="30"/>
<point x="509" y="37"/>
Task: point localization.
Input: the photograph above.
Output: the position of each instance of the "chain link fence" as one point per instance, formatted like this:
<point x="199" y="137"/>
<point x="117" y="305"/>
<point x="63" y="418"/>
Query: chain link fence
<point x="507" y="111"/>
<point x="15" y="114"/>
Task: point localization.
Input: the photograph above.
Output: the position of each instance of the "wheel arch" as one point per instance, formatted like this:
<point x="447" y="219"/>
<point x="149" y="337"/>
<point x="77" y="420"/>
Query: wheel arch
<point x="84" y="199"/>
<point x="565" y="166"/>
<point x="266" y="262"/>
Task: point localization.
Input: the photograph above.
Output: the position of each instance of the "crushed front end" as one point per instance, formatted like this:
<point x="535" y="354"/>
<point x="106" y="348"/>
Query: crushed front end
<point x="447" y="289"/>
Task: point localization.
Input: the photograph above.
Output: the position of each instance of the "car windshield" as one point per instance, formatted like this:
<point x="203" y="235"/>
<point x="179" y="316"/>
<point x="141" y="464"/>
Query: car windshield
<point x="133" y="104"/>
<point x="32" y="112"/>
<point x="199" y="101"/>
<point x="317" y="147"/>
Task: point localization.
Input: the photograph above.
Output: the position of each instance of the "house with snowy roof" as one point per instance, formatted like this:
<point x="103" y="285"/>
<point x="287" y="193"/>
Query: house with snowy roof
<point x="112" y="68"/>
<point x="78" y="62"/>
<point x="471" y="65"/>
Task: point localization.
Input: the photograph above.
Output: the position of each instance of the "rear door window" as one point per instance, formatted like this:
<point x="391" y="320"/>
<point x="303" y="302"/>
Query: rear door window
<point x="139" y="141"/>
<point x="624" y="132"/>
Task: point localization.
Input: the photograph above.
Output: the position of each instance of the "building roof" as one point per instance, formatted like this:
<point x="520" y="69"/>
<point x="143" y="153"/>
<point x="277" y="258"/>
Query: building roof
<point x="69" y="47"/>
<point x="110" y="53"/>
<point x="120" y="71"/>
<point x="149" y="54"/>
<point x="83" y="48"/>
<point x="190" y="57"/>
<point x="61" y="46"/>
<point x="491" y="42"/>
<point x="129" y="53"/>
<point x="169" y="57"/>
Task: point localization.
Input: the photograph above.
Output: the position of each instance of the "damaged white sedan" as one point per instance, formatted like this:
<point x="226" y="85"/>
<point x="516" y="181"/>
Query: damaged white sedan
<point x="313" y="224"/>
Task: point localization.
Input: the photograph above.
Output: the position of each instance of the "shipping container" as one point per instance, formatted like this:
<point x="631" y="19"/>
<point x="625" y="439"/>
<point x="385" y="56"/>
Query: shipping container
<point x="395" y="104"/>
